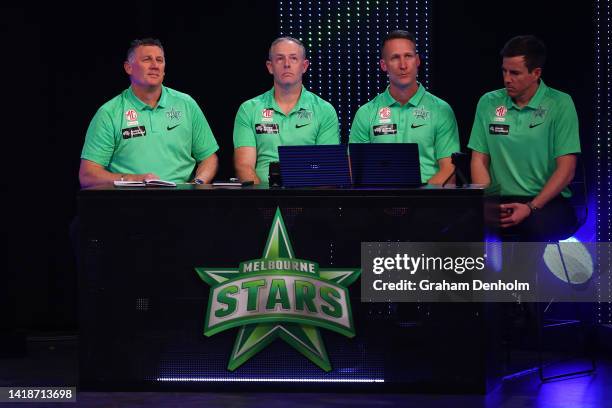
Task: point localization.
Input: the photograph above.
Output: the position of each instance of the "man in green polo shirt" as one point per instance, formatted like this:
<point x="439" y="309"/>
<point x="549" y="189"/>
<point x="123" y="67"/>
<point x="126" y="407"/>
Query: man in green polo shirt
<point x="286" y="115"/>
<point x="407" y="113"/>
<point x="149" y="131"/>
<point x="525" y="140"/>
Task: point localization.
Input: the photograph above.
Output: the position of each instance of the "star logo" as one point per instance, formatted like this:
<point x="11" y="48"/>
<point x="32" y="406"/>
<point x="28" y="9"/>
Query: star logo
<point x="174" y="114"/>
<point x="279" y="296"/>
<point x="540" y="112"/>
<point x="304" y="114"/>
<point x="421" y="113"/>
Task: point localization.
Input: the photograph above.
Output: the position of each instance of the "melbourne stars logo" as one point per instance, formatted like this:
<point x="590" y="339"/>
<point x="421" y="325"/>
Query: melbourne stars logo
<point x="540" y="112"/>
<point x="279" y="296"/>
<point x="174" y="114"/>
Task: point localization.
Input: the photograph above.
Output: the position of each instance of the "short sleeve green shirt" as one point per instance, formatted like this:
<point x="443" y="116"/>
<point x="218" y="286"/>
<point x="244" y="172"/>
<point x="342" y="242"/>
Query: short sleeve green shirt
<point x="524" y="143"/>
<point x="128" y="136"/>
<point x="260" y="123"/>
<point x="426" y="120"/>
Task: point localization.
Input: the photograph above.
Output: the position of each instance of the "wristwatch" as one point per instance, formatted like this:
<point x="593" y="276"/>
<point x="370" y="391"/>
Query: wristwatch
<point x="532" y="206"/>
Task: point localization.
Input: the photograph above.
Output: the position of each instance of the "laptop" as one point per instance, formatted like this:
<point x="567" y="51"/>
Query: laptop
<point x="314" y="166"/>
<point x="385" y="164"/>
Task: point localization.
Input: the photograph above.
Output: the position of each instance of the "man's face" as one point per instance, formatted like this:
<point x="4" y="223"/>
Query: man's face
<point x="518" y="81"/>
<point x="287" y="63"/>
<point x="147" y="66"/>
<point x="401" y="62"/>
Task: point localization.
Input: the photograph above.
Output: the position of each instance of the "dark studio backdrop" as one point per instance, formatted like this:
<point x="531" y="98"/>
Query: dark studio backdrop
<point x="65" y="62"/>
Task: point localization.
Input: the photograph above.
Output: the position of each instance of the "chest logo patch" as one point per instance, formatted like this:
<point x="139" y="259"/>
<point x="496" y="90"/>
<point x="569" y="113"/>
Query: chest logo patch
<point x="500" y="111"/>
<point x="385" y="113"/>
<point x="421" y="113"/>
<point x="266" y="128"/>
<point x="135" y="131"/>
<point x="498" y="129"/>
<point x="381" y="130"/>
<point x="267" y="114"/>
<point x="174" y="114"/>
<point x="304" y="114"/>
<point x="131" y="115"/>
<point x="539" y="113"/>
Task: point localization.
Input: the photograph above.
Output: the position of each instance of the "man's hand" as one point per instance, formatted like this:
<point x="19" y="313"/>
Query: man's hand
<point x="93" y="174"/>
<point x="140" y="177"/>
<point x="245" y="159"/>
<point x="512" y="214"/>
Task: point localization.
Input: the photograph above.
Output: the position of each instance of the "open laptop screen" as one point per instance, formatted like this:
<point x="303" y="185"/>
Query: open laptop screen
<point x="383" y="164"/>
<point x="314" y="166"/>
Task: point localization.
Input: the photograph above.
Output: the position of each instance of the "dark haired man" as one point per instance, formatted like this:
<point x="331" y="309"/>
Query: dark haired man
<point x="407" y="113"/>
<point x="287" y="114"/>
<point x="149" y="131"/>
<point x="524" y="140"/>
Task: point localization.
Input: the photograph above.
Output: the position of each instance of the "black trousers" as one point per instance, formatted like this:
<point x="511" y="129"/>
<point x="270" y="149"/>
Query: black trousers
<point x="554" y="222"/>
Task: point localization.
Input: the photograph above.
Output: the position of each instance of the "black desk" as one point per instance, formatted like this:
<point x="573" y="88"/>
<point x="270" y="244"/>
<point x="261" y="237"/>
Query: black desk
<point x="142" y="306"/>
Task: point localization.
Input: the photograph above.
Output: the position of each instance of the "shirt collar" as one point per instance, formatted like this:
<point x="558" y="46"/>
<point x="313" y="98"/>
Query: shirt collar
<point x="140" y="105"/>
<point x="535" y="100"/>
<point x="301" y="103"/>
<point x="388" y="100"/>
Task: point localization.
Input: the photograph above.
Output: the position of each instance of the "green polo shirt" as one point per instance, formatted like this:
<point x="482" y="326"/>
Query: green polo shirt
<point x="128" y="136"/>
<point x="524" y="143"/>
<point x="260" y="123"/>
<point x="426" y="120"/>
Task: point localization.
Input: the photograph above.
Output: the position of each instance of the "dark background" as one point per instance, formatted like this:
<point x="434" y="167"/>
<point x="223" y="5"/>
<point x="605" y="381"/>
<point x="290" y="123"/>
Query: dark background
<point x="63" y="62"/>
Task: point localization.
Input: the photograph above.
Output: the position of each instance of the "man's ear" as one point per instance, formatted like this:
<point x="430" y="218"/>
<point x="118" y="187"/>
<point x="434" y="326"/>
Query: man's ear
<point x="537" y="72"/>
<point x="383" y="66"/>
<point x="305" y="66"/>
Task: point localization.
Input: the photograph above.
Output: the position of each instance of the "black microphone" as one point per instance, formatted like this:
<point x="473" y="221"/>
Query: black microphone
<point x="274" y="174"/>
<point x="459" y="161"/>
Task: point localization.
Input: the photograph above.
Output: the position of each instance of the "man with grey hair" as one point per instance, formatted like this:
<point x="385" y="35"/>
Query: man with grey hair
<point x="149" y="131"/>
<point x="287" y="114"/>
